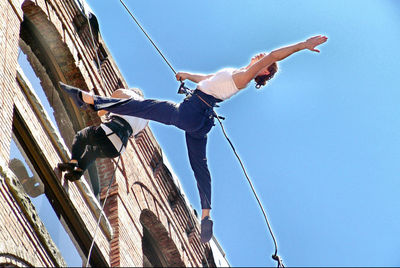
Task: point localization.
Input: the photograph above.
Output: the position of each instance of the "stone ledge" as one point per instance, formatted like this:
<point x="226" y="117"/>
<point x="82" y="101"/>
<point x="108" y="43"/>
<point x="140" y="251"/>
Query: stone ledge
<point x="30" y="213"/>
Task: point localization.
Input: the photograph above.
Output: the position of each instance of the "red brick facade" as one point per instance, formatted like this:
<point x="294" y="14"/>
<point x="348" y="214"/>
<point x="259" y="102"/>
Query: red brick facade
<point x="147" y="220"/>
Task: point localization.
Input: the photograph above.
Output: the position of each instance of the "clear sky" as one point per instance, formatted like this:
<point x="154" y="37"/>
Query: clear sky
<point x="321" y="142"/>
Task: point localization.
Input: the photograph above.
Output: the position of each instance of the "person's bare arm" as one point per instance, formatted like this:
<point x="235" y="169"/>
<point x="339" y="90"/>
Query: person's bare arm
<point x="242" y="78"/>
<point x="120" y="94"/>
<point x="196" y="78"/>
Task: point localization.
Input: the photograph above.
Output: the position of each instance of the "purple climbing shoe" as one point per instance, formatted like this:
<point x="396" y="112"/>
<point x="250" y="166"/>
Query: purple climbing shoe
<point x="206" y="229"/>
<point x="74" y="93"/>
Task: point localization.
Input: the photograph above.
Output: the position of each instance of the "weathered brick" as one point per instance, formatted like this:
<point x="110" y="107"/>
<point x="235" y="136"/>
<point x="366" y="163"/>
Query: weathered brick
<point x="138" y="197"/>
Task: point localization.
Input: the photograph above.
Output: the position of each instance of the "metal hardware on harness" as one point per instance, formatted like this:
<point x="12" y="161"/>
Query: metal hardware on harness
<point x="189" y="92"/>
<point x="184" y="90"/>
<point x="214" y="114"/>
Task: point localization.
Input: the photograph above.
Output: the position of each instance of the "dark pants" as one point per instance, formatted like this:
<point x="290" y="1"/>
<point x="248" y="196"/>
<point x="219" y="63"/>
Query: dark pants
<point x="192" y="115"/>
<point x="91" y="143"/>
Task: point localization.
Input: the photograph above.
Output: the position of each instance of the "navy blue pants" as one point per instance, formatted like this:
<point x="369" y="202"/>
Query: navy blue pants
<point x="192" y="115"/>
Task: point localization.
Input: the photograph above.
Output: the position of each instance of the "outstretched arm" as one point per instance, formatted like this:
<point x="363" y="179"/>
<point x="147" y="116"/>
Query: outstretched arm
<point x="196" y="78"/>
<point x="262" y="61"/>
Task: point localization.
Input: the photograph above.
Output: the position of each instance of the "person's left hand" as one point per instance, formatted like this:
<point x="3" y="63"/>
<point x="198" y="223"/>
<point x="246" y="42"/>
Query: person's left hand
<point x="181" y="76"/>
<point x="314" y="41"/>
<point x="257" y="57"/>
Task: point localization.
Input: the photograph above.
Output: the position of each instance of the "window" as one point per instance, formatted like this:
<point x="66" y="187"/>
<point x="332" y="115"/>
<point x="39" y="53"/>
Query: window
<point x="47" y="99"/>
<point x="43" y="206"/>
<point x="42" y="140"/>
<point x="152" y="255"/>
<point x="23" y="167"/>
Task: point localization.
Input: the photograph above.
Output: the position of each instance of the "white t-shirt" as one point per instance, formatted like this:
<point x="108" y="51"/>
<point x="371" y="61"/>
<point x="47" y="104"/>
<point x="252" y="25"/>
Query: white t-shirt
<point x="220" y="85"/>
<point x="137" y="124"/>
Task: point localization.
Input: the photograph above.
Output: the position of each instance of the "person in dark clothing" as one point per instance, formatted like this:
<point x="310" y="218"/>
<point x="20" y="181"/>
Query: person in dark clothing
<point x="108" y="140"/>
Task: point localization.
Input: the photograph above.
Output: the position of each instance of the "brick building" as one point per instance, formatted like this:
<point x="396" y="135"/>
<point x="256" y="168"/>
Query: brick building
<point x="148" y="220"/>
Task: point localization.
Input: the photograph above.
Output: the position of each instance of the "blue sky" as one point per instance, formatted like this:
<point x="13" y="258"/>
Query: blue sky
<point x="321" y="142"/>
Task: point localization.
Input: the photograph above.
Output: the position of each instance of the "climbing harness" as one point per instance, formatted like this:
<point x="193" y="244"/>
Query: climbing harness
<point x="190" y="92"/>
<point x="184" y="90"/>
<point x="119" y="127"/>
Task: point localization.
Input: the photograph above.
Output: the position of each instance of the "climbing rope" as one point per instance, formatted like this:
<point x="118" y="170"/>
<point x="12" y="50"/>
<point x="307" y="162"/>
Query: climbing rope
<point x="183" y="89"/>
<point x="102" y="208"/>
<point x="275" y="255"/>
<point x="102" y="83"/>
<point x="148" y="37"/>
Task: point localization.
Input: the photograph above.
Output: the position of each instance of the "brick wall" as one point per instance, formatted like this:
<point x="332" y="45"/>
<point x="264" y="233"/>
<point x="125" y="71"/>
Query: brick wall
<point x="9" y="35"/>
<point x="19" y="243"/>
<point x="55" y="36"/>
<point x="17" y="235"/>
